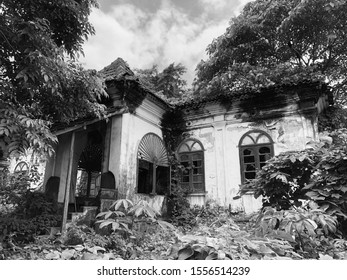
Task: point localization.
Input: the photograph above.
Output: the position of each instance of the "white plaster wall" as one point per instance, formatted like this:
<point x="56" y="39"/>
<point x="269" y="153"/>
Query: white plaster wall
<point x="115" y="147"/>
<point x="133" y="129"/>
<point x="222" y="162"/>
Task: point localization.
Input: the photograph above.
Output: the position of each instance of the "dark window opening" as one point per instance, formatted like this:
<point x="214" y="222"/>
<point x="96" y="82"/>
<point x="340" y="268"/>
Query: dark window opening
<point x="163" y="177"/>
<point x="153" y="168"/>
<point x="191" y="157"/>
<point x="256" y="148"/>
<point x="145" y="179"/>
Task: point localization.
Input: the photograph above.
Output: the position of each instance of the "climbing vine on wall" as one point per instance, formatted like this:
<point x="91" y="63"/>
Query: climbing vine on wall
<point x="173" y="128"/>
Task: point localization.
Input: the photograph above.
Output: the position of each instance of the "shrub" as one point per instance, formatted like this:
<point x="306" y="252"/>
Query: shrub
<point x="12" y="187"/>
<point x="22" y="230"/>
<point x="293" y="178"/>
<point x="305" y="229"/>
<point x="74" y="235"/>
<point x="179" y="208"/>
<point x="211" y="214"/>
<point x="26" y="213"/>
<point x="33" y="203"/>
<point x="123" y="215"/>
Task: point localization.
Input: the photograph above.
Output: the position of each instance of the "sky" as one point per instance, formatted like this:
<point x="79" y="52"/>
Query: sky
<point x="148" y="32"/>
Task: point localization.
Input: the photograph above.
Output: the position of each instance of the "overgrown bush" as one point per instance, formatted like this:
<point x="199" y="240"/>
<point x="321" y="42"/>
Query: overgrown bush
<point x="25" y="213"/>
<point x="12" y="187"/>
<point x="179" y="208"/>
<point x="211" y="214"/>
<point x="33" y="203"/>
<point x="334" y="118"/>
<point x="124" y="217"/>
<point x="305" y="230"/>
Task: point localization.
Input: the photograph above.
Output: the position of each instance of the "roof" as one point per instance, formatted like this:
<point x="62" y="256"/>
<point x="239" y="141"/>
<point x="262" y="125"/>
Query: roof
<point x="119" y="70"/>
<point x="247" y="94"/>
<point x="116" y="70"/>
<point x="61" y="128"/>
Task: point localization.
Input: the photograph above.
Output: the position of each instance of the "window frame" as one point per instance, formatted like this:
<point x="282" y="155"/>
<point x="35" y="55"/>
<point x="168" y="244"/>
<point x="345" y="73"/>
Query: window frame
<point x="255" y="149"/>
<point x="190" y="153"/>
<point x="154" y="162"/>
<point x="19" y="168"/>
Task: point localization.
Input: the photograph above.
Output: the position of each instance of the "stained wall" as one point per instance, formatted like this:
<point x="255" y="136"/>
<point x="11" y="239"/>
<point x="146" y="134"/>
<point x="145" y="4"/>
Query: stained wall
<point x="220" y="135"/>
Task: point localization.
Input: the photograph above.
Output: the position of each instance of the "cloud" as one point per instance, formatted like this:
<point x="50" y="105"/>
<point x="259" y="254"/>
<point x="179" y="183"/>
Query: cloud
<point x="215" y="4"/>
<point x="144" y="38"/>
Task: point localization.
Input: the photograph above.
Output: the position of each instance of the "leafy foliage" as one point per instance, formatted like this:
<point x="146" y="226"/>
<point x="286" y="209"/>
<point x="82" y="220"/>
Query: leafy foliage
<point x="123" y="215"/>
<point x="227" y="241"/>
<point x="303" y="228"/>
<point x="334" y="118"/>
<point x="179" y="208"/>
<point x="223" y="240"/>
<point x="212" y="214"/>
<point x="40" y="82"/>
<point x="168" y="83"/>
<point x="14" y="187"/>
<point x="274" y="42"/>
<point x="116" y="218"/>
<point x="24" y="213"/>
<point x="14" y="229"/>
<point x="291" y="179"/>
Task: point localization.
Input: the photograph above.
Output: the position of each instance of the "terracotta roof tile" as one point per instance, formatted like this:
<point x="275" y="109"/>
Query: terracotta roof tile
<point x="116" y="70"/>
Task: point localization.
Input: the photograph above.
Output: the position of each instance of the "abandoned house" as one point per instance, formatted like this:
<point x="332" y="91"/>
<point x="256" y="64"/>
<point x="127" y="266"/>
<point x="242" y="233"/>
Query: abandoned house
<point x="221" y="141"/>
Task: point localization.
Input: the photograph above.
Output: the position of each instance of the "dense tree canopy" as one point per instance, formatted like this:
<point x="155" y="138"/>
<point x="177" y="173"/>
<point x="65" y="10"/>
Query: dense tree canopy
<point x="168" y="83"/>
<point x="40" y="81"/>
<point x="274" y="41"/>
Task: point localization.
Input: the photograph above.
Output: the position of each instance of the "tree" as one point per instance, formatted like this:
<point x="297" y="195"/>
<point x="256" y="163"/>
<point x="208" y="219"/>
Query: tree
<point x="40" y="80"/>
<point x="279" y="41"/>
<point x="169" y="82"/>
<point x="149" y="77"/>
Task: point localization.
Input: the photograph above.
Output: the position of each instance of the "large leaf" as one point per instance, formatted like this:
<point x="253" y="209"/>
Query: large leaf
<point x="105" y="223"/>
<point x="166" y="226"/>
<point x="68" y="254"/>
<point x="102" y="214"/>
<point x="212" y="256"/>
<point x="115" y="226"/>
<point x="125" y="203"/>
<point x="185" y="253"/>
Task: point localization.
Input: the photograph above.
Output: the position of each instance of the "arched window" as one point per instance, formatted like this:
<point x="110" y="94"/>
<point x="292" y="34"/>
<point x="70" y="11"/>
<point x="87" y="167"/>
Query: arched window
<point x="21" y="167"/>
<point x="256" y="147"/>
<point x="153" y="166"/>
<point x="191" y="156"/>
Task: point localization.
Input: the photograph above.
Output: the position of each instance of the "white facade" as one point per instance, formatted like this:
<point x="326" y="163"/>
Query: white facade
<point x="291" y="123"/>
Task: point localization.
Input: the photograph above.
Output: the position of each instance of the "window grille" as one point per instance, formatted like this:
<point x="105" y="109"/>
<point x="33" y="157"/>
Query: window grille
<point x="255" y="147"/>
<point x="191" y="156"/>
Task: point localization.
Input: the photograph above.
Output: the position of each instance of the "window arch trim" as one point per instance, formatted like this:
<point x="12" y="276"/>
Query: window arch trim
<point x="21" y="166"/>
<point x="184" y="143"/>
<point x="255" y="141"/>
